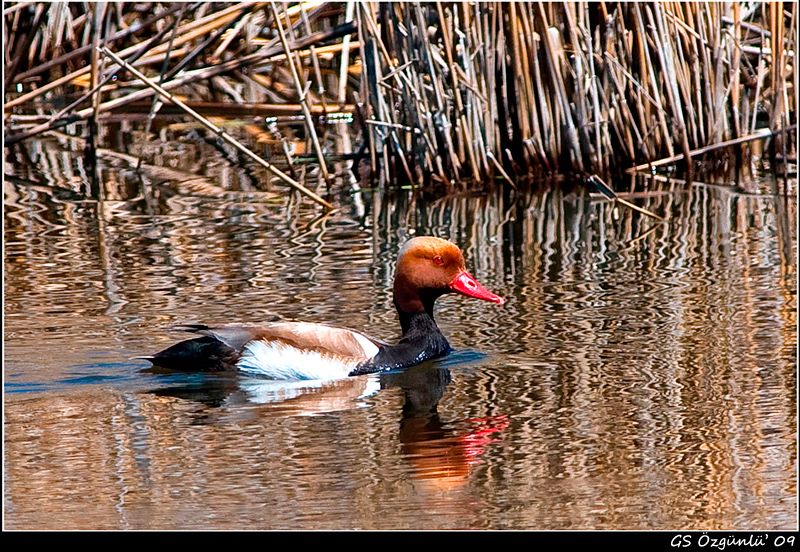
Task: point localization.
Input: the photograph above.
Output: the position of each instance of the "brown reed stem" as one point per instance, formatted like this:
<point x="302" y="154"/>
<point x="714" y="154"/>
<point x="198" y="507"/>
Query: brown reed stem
<point x="216" y="130"/>
<point x="301" y="93"/>
<point x="758" y="135"/>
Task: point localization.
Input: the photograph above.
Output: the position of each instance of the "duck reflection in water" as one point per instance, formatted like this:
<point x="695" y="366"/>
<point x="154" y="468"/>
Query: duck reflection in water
<point x="441" y="454"/>
<point x="441" y="457"/>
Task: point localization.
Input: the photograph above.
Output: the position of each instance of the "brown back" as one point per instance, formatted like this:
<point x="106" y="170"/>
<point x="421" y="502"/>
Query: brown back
<point x="320" y="338"/>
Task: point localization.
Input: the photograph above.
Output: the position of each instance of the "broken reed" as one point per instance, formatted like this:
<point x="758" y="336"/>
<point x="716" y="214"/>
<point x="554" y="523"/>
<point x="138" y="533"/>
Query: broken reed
<point x="572" y="87"/>
<point x="447" y="93"/>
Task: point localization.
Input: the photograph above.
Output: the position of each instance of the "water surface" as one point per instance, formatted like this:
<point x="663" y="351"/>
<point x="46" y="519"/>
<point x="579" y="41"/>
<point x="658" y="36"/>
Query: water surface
<point x="642" y="375"/>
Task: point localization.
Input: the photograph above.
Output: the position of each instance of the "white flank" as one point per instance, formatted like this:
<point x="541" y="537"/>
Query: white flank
<point x="276" y="360"/>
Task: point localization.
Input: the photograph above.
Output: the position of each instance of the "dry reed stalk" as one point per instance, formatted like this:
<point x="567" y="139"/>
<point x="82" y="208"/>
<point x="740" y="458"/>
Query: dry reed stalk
<point x="463" y="126"/>
<point x="375" y="43"/>
<point x="664" y="50"/>
<point x="216" y="130"/>
<point x="16" y="7"/>
<point x="66" y="57"/>
<point x="61" y="118"/>
<point x="314" y="58"/>
<point x="649" y="81"/>
<point x="155" y="104"/>
<point x="65" y="116"/>
<point x="341" y="96"/>
<point x="24" y="44"/>
<point x="301" y="93"/>
<point x="576" y="87"/>
<point x="98" y="12"/>
<point x="244" y="109"/>
<point x="189" y="32"/>
<point x="757" y="135"/>
<point x="200" y="48"/>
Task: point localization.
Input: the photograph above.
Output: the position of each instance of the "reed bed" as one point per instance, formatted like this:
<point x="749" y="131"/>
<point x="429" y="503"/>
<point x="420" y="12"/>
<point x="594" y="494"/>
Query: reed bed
<point x="566" y="87"/>
<point x="441" y="95"/>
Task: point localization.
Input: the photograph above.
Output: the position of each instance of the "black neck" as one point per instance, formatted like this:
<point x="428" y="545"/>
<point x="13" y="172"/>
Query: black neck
<point x="411" y="311"/>
<point x="417" y="324"/>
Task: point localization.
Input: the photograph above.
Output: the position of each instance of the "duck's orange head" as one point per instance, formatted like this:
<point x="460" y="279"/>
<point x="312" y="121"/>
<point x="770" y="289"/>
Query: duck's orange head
<point x="428" y="267"/>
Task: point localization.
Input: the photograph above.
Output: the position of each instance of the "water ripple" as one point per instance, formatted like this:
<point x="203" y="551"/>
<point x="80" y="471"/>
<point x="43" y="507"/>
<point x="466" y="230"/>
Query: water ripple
<point x="641" y="375"/>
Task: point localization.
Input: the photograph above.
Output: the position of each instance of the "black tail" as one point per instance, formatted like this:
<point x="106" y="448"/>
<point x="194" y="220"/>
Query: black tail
<point x="202" y="354"/>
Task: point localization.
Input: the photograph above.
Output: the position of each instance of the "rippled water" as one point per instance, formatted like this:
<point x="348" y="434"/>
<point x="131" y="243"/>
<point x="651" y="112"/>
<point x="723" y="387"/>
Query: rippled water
<point x="642" y="375"/>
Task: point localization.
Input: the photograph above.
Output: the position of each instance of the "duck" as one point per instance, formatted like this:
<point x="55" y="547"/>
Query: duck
<point x="427" y="268"/>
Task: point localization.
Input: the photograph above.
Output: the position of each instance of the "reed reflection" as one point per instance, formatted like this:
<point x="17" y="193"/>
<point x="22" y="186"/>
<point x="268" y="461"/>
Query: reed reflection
<point x="647" y="368"/>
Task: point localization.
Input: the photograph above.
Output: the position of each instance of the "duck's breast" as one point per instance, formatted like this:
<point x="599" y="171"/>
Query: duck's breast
<point x="304" y="351"/>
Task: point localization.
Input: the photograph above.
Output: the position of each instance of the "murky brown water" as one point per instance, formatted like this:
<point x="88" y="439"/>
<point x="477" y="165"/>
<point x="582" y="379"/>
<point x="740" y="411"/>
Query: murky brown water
<point x="641" y="376"/>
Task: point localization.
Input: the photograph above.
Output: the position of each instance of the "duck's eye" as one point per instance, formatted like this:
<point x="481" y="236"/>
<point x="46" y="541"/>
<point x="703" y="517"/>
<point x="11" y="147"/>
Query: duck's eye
<point x="438" y="260"/>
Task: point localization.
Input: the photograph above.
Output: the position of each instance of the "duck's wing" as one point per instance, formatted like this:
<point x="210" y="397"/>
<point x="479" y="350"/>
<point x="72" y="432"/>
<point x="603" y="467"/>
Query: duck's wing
<point x="303" y="336"/>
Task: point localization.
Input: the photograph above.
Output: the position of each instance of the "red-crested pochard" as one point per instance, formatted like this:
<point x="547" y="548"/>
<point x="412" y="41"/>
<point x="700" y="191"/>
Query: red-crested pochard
<point x="427" y="268"/>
